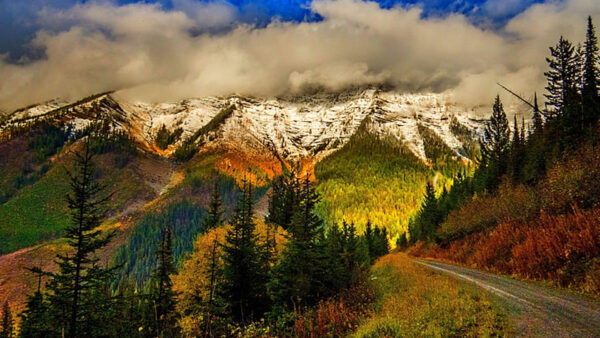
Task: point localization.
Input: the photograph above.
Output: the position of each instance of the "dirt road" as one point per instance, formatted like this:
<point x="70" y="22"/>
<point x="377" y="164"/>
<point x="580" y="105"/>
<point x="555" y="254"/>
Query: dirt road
<point x="537" y="311"/>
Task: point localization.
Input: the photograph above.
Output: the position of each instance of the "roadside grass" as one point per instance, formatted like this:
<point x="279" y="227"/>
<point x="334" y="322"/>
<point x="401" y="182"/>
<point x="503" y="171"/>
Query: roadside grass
<point x="413" y="301"/>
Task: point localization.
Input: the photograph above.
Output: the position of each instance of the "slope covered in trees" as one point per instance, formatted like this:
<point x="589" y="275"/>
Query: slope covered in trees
<point x="376" y="178"/>
<point x="531" y="206"/>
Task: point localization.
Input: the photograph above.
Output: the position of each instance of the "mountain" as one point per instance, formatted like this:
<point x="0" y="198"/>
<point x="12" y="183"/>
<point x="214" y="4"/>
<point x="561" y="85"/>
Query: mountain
<point x="293" y="128"/>
<point x="371" y="152"/>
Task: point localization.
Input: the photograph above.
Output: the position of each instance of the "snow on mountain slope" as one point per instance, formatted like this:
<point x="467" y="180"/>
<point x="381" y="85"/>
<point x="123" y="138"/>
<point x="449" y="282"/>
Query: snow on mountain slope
<point x="294" y="127"/>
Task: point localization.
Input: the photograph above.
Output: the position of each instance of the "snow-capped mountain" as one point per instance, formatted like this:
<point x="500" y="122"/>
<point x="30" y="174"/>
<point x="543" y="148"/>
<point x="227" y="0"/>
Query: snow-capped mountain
<point x="293" y="127"/>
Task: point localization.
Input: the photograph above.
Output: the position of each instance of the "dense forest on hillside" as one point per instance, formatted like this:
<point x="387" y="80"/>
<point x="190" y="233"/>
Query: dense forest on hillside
<point x="531" y="207"/>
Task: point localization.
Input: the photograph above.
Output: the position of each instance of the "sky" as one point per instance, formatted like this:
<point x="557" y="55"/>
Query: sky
<point x="167" y="50"/>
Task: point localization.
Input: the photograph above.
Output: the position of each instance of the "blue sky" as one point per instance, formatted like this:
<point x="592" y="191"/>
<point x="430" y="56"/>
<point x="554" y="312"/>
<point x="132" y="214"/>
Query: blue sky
<point x="20" y="18"/>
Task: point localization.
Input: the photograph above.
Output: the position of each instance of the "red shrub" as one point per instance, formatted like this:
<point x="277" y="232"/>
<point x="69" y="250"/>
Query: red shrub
<point x="336" y="317"/>
<point x="557" y="243"/>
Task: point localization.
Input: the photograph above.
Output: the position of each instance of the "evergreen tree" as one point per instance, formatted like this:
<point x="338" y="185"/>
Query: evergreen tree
<point x="591" y="73"/>
<point x="563" y="78"/>
<point x="494" y="147"/>
<point x="538" y="123"/>
<point x="284" y="199"/>
<point x="214" y="219"/>
<point x="244" y="271"/>
<point x="377" y="241"/>
<point x="163" y="296"/>
<point x="424" y="225"/>
<point x="214" y="307"/>
<point x="34" y="318"/>
<point x="516" y="152"/>
<point x="8" y="325"/>
<point x="78" y="299"/>
<point x="304" y="274"/>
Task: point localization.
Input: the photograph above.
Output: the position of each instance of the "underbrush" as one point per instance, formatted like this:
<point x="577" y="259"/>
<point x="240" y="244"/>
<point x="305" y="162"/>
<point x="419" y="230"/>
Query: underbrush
<point x="412" y="301"/>
<point x="564" y="249"/>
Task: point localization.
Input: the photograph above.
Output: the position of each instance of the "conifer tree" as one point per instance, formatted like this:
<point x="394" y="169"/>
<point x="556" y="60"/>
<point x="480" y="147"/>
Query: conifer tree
<point x="163" y="295"/>
<point x="494" y="147"/>
<point x="214" y="219"/>
<point x="34" y="318"/>
<point x="244" y="270"/>
<point x="425" y="224"/>
<point x="8" y="325"/>
<point x="214" y="272"/>
<point x="304" y="273"/>
<point x="538" y="123"/>
<point x="591" y="73"/>
<point x="563" y="78"/>
<point x="284" y="199"/>
<point x="516" y="152"/>
<point x="495" y="136"/>
<point x="77" y="299"/>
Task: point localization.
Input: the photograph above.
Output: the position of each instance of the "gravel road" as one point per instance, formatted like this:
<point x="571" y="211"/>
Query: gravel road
<point x="537" y="311"/>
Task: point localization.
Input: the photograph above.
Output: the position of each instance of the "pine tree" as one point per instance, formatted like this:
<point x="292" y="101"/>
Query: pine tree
<point x="563" y="78"/>
<point x="214" y="272"/>
<point x="538" y="123"/>
<point x="304" y="274"/>
<point x="423" y="227"/>
<point x="494" y="147"/>
<point x="214" y="219"/>
<point x="517" y="155"/>
<point x="77" y="299"/>
<point x="163" y="295"/>
<point x="8" y="325"/>
<point x="34" y="318"/>
<point x="244" y="271"/>
<point x="283" y="199"/>
<point x="495" y="136"/>
<point x="591" y="73"/>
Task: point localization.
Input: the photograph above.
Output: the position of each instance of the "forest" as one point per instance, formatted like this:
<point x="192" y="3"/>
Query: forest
<point x="531" y="206"/>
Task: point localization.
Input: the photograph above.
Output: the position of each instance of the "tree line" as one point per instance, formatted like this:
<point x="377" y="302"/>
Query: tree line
<point x="524" y="154"/>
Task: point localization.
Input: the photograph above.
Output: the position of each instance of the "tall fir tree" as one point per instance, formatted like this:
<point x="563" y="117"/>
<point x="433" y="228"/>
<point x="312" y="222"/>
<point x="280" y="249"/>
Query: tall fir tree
<point x="7" y="330"/>
<point x="563" y="78"/>
<point x="244" y="271"/>
<point x="214" y="219"/>
<point x="537" y="120"/>
<point x="517" y="154"/>
<point x="304" y="273"/>
<point x="284" y="199"/>
<point x="34" y="318"/>
<point x="163" y="296"/>
<point x="423" y="227"/>
<point x="494" y="147"/>
<point x="78" y="299"/>
<point x="591" y="74"/>
<point x="214" y="306"/>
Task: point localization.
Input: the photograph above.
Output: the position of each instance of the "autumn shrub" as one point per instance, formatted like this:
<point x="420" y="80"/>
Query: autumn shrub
<point x="574" y="181"/>
<point x="337" y="316"/>
<point x="560" y="247"/>
<point x="511" y="203"/>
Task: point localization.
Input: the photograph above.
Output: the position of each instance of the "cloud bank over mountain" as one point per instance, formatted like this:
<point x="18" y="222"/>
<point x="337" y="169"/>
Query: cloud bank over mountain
<point x="153" y="54"/>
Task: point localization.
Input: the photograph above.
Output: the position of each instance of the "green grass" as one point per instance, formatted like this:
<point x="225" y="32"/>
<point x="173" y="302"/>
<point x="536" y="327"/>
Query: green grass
<point x="37" y="212"/>
<point x="412" y="301"/>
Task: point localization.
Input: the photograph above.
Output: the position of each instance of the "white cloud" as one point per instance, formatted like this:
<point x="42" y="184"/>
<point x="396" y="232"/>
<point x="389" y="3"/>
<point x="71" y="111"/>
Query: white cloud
<point x="156" y="55"/>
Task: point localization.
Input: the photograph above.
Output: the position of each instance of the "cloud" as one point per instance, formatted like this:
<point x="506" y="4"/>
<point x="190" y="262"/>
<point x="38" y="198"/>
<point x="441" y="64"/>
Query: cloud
<point x="153" y="54"/>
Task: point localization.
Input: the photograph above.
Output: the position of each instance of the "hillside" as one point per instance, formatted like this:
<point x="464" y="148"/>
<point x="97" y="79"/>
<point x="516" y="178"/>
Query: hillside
<point x="395" y="142"/>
